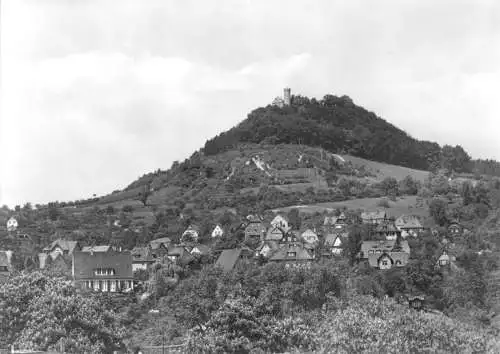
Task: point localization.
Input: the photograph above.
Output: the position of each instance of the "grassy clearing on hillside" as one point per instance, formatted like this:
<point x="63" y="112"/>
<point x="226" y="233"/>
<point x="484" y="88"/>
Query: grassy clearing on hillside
<point x="404" y="205"/>
<point x="383" y="170"/>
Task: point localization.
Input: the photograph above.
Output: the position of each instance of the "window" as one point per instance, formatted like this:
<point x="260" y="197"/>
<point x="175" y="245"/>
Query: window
<point x="291" y="254"/>
<point x="385" y="262"/>
<point x="104" y="271"/>
<point x="398" y="263"/>
<point x="3" y="269"/>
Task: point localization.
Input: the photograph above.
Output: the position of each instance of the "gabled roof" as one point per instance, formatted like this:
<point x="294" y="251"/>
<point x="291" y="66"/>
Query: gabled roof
<point x="141" y="254"/>
<point x="402" y="257"/>
<point x="382" y="246"/>
<point x="330" y="220"/>
<point x="371" y="215"/>
<point x="192" y="228"/>
<point x="282" y="254"/>
<point x="444" y="257"/>
<point x="408" y="222"/>
<point x="200" y="249"/>
<point x="65" y="245"/>
<point x="386" y="227"/>
<point x="99" y="249"/>
<point x="275" y="233"/>
<point x="228" y="258"/>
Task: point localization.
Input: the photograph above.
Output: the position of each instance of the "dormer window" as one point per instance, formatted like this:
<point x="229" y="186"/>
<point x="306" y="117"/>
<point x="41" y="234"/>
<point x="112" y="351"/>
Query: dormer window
<point x="291" y="254"/>
<point x="104" y="271"/>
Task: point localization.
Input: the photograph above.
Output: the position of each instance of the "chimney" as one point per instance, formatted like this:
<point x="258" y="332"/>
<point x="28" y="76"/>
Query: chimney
<point x="287" y="97"/>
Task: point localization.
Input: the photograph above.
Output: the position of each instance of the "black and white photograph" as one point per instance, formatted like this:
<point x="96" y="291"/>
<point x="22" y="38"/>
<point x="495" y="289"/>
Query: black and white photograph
<point x="250" y="176"/>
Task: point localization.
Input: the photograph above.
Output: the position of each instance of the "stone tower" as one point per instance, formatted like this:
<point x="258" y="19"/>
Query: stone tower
<point x="287" y="97"/>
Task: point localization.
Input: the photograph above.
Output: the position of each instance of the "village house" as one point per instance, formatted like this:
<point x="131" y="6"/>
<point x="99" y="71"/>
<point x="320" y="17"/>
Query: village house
<point x="385" y="254"/>
<point x="444" y="260"/>
<point x="373" y="217"/>
<point x="142" y="258"/>
<point x="56" y="248"/>
<point x="334" y="244"/>
<point x="275" y="233"/>
<point x="191" y="234"/>
<point x="178" y="253"/>
<point x="218" y="231"/>
<point x="159" y="247"/>
<point x="229" y="259"/>
<point x="310" y="236"/>
<point x="455" y="228"/>
<point x="416" y="302"/>
<point x="12" y="224"/>
<point x="335" y="223"/>
<point x="293" y="254"/>
<point x="103" y="271"/>
<point x="409" y="225"/>
<point x="255" y="231"/>
<point x="266" y="248"/>
<point x="387" y="230"/>
<point x="281" y="222"/>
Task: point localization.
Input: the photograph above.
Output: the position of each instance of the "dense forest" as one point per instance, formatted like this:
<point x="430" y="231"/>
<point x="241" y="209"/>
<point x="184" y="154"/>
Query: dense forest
<point x="340" y="126"/>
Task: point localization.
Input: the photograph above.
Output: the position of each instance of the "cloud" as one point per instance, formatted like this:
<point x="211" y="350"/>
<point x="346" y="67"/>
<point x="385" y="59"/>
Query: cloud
<point x="107" y="115"/>
<point x="96" y="93"/>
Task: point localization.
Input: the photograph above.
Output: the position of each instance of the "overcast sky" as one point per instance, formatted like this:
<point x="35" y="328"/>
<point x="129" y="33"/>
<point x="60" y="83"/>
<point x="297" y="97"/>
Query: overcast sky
<point x="97" y="93"/>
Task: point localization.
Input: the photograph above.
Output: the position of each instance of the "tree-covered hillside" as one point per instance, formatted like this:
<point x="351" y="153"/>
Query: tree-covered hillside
<point x="338" y="125"/>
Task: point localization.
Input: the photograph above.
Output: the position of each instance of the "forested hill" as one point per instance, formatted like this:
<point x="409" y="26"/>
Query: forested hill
<point x="338" y="125"/>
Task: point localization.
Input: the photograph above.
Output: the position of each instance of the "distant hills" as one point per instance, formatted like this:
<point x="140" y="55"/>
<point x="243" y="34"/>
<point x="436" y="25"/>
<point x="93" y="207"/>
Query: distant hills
<point x="338" y="125"/>
<point x="293" y="148"/>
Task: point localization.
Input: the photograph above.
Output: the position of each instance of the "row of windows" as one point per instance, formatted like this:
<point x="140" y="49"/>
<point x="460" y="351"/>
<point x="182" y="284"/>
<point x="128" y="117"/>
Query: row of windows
<point x="104" y="271"/>
<point x="108" y="285"/>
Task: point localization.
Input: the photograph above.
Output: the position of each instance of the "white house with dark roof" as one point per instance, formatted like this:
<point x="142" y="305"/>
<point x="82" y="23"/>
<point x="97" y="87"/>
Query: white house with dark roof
<point x="281" y="222"/>
<point x="218" y="231"/>
<point x="12" y="224"/>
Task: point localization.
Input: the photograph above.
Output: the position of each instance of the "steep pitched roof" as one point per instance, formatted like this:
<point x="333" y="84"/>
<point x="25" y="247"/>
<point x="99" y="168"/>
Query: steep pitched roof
<point x="408" y="222"/>
<point x="382" y="246"/>
<point x="309" y="236"/>
<point x="65" y="245"/>
<point x="201" y="249"/>
<point x="284" y="253"/>
<point x="275" y="233"/>
<point x="402" y="257"/>
<point x="141" y="255"/>
<point x="228" y="258"/>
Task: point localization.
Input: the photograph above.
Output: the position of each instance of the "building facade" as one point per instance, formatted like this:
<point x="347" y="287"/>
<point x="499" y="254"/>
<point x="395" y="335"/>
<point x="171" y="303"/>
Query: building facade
<point x="104" y="272"/>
